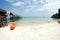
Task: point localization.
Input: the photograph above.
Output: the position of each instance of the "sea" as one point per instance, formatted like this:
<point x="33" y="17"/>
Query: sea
<point x="26" y="20"/>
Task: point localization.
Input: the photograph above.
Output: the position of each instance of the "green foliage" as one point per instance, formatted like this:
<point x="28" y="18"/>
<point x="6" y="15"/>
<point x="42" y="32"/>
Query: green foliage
<point x="56" y="16"/>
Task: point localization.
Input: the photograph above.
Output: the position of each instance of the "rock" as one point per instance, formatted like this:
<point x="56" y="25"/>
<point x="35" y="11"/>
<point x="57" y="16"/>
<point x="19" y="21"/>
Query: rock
<point x="14" y="17"/>
<point x="58" y="21"/>
<point x="3" y="17"/>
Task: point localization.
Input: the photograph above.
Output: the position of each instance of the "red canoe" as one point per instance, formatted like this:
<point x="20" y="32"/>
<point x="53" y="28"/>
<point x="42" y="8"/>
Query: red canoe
<point x="12" y="27"/>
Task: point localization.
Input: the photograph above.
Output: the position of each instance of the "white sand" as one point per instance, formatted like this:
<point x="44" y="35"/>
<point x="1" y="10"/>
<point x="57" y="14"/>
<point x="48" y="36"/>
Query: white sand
<point x="48" y="31"/>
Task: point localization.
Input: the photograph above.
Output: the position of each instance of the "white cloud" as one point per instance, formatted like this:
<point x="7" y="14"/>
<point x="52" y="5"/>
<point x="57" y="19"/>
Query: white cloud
<point x="19" y="3"/>
<point x="10" y="1"/>
<point x="15" y="2"/>
<point x="34" y="0"/>
<point x="50" y="6"/>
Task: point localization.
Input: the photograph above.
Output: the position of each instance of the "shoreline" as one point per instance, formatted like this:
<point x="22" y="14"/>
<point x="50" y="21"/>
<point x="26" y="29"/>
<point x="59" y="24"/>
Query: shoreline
<point x="47" y="31"/>
<point x="31" y="23"/>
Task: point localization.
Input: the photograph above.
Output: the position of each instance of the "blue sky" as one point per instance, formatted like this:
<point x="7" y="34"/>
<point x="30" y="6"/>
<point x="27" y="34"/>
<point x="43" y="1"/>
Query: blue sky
<point x="26" y="8"/>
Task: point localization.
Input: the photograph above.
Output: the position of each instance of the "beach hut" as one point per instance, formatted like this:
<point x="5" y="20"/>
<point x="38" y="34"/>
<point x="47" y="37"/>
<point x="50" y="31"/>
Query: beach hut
<point x="3" y="17"/>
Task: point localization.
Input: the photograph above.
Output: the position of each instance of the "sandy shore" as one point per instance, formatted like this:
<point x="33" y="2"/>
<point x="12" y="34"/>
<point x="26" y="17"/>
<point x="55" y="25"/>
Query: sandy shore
<point x="48" y="31"/>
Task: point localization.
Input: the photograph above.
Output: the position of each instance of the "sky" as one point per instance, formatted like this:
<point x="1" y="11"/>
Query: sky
<point x="31" y="8"/>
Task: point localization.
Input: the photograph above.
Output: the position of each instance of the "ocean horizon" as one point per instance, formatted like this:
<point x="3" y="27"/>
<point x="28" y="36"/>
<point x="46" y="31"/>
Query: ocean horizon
<point x="26" y="20"/>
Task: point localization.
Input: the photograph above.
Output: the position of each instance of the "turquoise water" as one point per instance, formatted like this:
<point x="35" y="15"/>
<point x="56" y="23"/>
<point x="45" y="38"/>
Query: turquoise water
<point x="34" y="19"/>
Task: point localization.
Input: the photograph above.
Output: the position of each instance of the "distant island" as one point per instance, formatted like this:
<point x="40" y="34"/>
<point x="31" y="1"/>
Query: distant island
<point x="57" y="15"/>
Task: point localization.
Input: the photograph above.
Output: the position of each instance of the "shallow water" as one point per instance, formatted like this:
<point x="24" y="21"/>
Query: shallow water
<point x="27" y="20"/>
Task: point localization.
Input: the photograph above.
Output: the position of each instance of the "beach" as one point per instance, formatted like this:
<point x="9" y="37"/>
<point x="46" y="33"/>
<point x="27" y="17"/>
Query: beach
<point x="29" y="19"/>
<point x="47" y="31"/>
